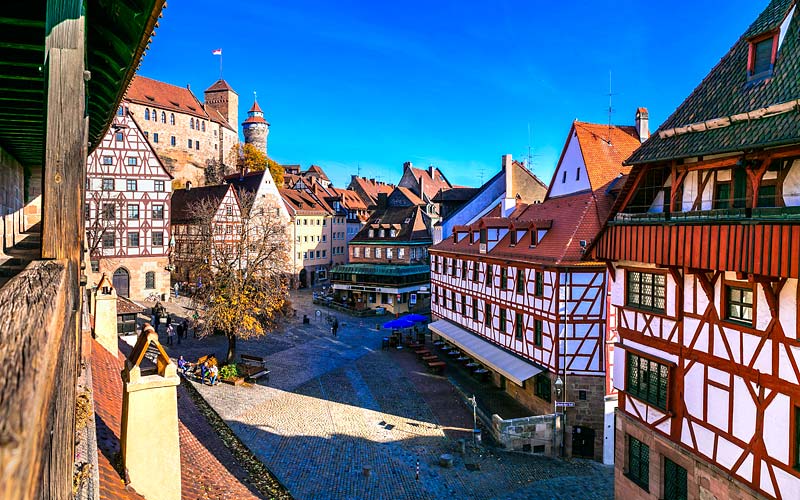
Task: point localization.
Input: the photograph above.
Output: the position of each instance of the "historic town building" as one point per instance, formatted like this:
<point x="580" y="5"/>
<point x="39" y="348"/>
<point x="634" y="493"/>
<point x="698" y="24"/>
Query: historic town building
<point x="461" y="206"/>
<point x="185" y="132"/>
<point x="513" y="290"/>
<point x="388" y="259"/>
<point x="702" y="250"/>
<point x="426" y="184"/>
<point x="368" y="190"/>
<point x="127" y="212"/>
<point x="310" y="229"/>
<point x="193" y="223"/>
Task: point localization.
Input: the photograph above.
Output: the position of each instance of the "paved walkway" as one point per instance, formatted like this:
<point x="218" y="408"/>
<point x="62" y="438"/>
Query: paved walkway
<point x="335" y="405"/>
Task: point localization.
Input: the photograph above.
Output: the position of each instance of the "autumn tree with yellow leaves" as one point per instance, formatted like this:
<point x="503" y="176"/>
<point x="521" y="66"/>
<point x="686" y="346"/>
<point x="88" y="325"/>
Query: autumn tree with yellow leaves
<point x="242" y="290"/>
<point x="252" y="159"/>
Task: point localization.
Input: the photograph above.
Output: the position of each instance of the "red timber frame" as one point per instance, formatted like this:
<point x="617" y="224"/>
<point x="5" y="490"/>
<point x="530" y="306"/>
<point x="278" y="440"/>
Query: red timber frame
<point x="588" y="356"/>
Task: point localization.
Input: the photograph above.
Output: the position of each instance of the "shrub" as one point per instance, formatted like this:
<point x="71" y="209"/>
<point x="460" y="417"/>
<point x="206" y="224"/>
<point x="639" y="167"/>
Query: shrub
<point x="229" y="371"/>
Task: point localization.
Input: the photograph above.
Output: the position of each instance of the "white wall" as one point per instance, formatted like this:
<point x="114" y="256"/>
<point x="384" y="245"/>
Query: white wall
<point x="572" y="161"/>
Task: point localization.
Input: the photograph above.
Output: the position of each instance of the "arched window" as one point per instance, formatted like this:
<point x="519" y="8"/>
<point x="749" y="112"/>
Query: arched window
<point x="163" y="117"/>
<point x="172" y="118"/>
<point x="191" y="123"/>
<point x="146" y="114"/>
<point x="149" y="280"/>
<point x="204" y="126"/>
<point x="155" y="115"/>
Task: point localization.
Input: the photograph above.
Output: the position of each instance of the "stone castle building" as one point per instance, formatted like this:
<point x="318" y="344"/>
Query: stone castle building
<point x="185" y="132"/>
<point x="255" y="128"/>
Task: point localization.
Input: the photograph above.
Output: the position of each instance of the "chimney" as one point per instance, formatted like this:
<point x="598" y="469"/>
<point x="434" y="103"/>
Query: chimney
<point x="372" y="181"/>
<point x="509" y="201"/>
<point x="188" y="185"/>
<point x="642" y="124"/>
<point x="188" y="87"/>
<point x="430" y="170"/>
<point x="407" y="164"/>
<point x="421" y="187"/>
<point x="383" y="201"/>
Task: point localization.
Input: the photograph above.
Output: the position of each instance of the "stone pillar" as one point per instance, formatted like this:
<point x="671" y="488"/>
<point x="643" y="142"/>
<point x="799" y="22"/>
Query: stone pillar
<point x="105" y="316"/>
<point x="149" y="434"/>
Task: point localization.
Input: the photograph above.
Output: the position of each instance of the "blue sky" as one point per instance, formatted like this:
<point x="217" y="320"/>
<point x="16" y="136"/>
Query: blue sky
<point x="454" y="84"/>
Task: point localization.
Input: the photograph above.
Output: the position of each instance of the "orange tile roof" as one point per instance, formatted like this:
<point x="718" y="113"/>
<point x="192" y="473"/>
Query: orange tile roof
<point x="149" y="92"/>
<point x="604" y="158"/>
<point x="409" y="194"/>
<point x="220" y="85"/>
<point x="372" y="188"/>
<point x="207" y="467"/>
<point x="432" y="183"/>
<point x="301" y="201"/>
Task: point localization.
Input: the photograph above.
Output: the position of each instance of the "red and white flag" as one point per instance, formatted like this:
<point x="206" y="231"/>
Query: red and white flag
<point x="217" y="52"/>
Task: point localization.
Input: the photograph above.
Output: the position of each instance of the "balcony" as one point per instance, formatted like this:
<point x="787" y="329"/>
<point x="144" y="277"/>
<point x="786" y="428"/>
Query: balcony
<point x="743" y="215"/>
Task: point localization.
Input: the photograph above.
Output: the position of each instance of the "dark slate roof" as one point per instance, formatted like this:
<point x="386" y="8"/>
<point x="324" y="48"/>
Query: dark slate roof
<point x="455" y="194"/>
<point x="411" y="223"/>
<point x="184" y="200"/>
<point x="726" y="92"/>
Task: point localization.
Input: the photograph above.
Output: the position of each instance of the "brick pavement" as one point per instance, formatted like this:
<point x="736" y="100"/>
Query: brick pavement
<point x="334" y="405"/>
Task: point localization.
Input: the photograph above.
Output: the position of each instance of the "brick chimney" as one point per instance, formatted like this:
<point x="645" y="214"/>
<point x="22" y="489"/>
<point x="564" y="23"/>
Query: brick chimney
<point x="509" y="201"/>
<point x="431" y="168"/>
<point x="642" y="124"/>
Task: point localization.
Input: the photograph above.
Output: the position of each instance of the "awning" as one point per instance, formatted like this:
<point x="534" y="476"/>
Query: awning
<point x="505" y="363"/>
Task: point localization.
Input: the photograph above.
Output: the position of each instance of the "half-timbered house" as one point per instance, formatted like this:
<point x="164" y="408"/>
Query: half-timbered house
<point x="515" y="292"/>
<point x="703" y="264"/>
<point x="127" y="212"/>
<point x="200" y="213"/>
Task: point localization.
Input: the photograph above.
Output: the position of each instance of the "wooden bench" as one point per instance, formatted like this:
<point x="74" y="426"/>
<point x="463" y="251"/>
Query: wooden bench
<point x="422" y="352"/>
<point x="436" y="366"/>
<point x="432" y="357"/>
<point x="253" y="367"/>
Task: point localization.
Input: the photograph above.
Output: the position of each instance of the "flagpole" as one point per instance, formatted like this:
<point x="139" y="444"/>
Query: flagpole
<point x="220" y="66"/>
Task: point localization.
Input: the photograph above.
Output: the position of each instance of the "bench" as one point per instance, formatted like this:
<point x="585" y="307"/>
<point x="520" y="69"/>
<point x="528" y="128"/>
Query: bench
<point x="422" y="352"/>
<point x="432" y="357"/>
<point x="436" y="366"/>
<point x="253" y="367"/>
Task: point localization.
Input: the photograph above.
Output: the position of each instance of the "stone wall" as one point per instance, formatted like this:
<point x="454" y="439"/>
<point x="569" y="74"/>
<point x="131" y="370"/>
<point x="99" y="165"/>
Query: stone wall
<point x="137" y="267"/>
<point x="704" y="480"/>
<point x="536" y="434"/>
<point x="12" y="198"/>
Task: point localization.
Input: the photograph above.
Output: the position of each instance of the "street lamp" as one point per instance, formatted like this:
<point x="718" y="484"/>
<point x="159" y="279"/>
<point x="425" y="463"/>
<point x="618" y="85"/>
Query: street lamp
<point x="559" y="387"/>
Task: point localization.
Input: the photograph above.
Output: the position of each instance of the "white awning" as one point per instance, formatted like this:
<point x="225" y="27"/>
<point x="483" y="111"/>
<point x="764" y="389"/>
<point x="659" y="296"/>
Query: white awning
<point x="505" y="363"/>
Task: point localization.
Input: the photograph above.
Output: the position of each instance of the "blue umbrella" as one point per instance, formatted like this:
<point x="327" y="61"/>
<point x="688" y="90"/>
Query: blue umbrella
<point x="398" y="323"/>
<point x="416" y="318"/>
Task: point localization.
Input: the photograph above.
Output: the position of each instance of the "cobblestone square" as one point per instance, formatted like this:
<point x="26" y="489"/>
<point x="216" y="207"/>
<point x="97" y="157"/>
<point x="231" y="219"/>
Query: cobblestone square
<point x="336" y="405"/>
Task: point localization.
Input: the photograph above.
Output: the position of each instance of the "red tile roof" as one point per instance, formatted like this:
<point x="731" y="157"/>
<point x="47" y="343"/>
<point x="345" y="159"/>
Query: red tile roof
<point x="604" y="157"/>
<point x="432" y="182"/>
<point x="315" y="169"/>
<point x="220" y="85"/>
<point x="409" y="194"/>
<point x="207" y="467"/>
<point x="350" y="198"/>
<point x="301" y="202"/>
<point x="371" y="188"/>
<point x="149" y="92"/>
<point x="255" y="115"/>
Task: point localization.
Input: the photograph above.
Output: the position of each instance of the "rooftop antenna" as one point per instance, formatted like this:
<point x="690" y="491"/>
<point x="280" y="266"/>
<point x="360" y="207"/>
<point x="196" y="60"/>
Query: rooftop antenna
<point x="529" y="156"/>
<point x="358" y="169"/>
<point x="610" y="107"/>
<point x="481" y="174"/>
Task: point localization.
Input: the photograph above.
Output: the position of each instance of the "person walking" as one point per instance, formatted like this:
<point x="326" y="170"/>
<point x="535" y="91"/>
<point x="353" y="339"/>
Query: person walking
<point x="179" y="329"/>
<point x="177" y="288"/>
<point x="335" y="326"/>
<point x="170" y="333"/>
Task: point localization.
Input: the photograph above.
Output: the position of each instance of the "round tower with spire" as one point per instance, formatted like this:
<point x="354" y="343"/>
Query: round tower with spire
<point x="255" y="128"/>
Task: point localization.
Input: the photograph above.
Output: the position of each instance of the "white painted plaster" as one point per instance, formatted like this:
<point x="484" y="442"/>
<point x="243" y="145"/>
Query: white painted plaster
<point x="776" y="433"/>
<point x="619" y="369"/>
<point x="788" y="308"/>
<point x="705" y="439"/>
<point x="718" y="400"/>
<point x="727" y="452"/>
<point x="608" y="434"/>
<point x="718" y="376"/>
<point x="744" y="411"/>
<point x="572" y="160"/>
<point x="746" y="469"/>
<point x="788" y="484"/>
<point x="693" y="383"/>
<point x="766" y="480"/>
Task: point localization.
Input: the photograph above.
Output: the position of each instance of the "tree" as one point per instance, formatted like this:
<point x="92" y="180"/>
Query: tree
<point x="253" y="159"/>
<point x="243" y="291"/>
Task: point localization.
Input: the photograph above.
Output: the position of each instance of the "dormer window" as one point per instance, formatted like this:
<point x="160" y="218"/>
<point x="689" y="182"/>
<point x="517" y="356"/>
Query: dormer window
<point x="761" y="58"/>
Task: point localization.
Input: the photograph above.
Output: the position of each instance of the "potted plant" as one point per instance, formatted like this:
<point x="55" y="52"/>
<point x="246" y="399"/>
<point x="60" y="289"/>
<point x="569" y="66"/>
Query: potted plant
<point x="230" y="374"/>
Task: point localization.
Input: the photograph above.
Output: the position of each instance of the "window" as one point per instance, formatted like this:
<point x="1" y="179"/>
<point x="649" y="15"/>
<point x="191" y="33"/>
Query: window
<point x="767" y="194"/>
<point x="87" y="211"/>
<point x="155" y="115"/>
<point x="119" y="137"/>
<point x="108" y="160"/>
<point x="463" y="305"/>
<point x="228" y="210"/>
<point x="371" y="233"/>
<point x="95" y="264"/>
<point x="646" y="291"/>
<point x="133" y="211"/>
<point x="367" y="252"/>
<point x="203" y="125"/>
<point x="647" y="380"/>
<point x="761" y="58"/>
<point x="109" y="211"/>
<point x="463" y="269"/>
<point x="108" y="185"/>
<point x="155" y="136"/>
<point x="163" y="118"/>
<point x="739" y="304"/>
<point x="722" y="195"/>
<point x="503" y="278"/>
<point x="389" y="253"/>
<point x="475" y="271"/>
<point x="172" y="141"/>
<point x="564" y="178"/>
<point x="149" y="280"/>
<point x="132" y="161"/>
<point x="639" y="463"/>
<point x="158" y="238"/>
<point x="537" y="332"/>
<point x="377" y="253"/>
<point x="158" y="212"/>
<point x="324" y="237"/>
<point x="133" y="239"/>
<point x="146" y="133"/>
<point x="108" y="240"/>
<point x="577" y="174"/>
<point x="487" y="313"/>
<point x="191" y="124"/>
<point x="159" y="186"/>
<point x="130" y="184"/>
<point x="305" y="255"/>
<point x="538" y="278"/>
<point x="502" y="320"/>
<point x="675" y="484"/>
<point x="518" y="326"/>
<point x="120" y="111"/>
<point x="392" y="233"/>
<point x="172" y="118"/>
<point x="474" y="309"/>
<point x="146" y="114"/>
<point x="797" y="437"/>
<point x="520" y="281"/>
<point x="197" y="145"/>
<point x="452" y="267"/>
<point x="189" y="143"/>
<point x="541" y="387"/>
<point x="489" y="275"/>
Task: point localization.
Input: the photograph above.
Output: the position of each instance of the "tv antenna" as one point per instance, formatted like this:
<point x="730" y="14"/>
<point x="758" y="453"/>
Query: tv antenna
<point x="529" y="156"/>
<point x="610" y="106"/>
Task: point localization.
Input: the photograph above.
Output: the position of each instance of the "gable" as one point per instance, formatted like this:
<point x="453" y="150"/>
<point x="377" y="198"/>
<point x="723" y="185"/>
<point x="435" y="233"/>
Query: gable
<point x="570" y="175"/>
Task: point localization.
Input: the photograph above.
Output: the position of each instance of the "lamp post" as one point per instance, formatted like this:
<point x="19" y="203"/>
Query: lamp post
<point x="474" y="420"/>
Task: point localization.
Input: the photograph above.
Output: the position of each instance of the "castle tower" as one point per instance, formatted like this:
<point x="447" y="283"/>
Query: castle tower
<point x="224" y="99"/>
<point x="256" y="128"/>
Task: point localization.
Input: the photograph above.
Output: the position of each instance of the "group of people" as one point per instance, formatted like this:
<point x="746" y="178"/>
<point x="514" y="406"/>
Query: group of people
<point x="208" y="369"/>
<point x="179" y="329"/>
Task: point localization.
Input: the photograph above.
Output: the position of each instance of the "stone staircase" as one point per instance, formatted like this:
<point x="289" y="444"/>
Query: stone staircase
<point x="16" y="258"/>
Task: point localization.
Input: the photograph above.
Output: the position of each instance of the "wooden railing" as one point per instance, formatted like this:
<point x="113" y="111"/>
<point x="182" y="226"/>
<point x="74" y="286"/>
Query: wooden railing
<point x="39" y="365"/>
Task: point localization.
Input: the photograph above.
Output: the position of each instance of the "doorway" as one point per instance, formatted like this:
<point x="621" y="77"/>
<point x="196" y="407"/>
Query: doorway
<point x="583" y="441"/>
<point x="121" y="281"/>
